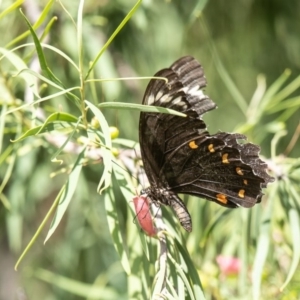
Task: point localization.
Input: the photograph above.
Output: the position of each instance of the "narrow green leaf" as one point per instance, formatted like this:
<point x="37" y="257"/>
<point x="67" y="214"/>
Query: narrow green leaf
<point x="40" y="54"/>
<point x="63" y="92"/>
<point x="48" y="28"/>
<point x="173" y="291"/>
<point x="111" y="38"/>
<point x="197" y="11"/>
<point x="193" y="274"/>
<point x="78" y="288"/>
<point x="9" y="168"/>
<point x="20" y="65"/>
<point x="256" y="98"/>
<point x="39" y="230"/>
<point x="140" y="107"/>
<point x="213" y="222"/>
<point x="115" y="230"/>
<point x="2" y="123"/>
<point x="286" y="91"/>
<point x="183" y="277"/>
<point x="232" y="88"/>
<point x="263" y="244"/>
<point x="106" y="151"/>
<point x="287" y="104"/>
<point x="42" y="129"/>
<point x="67" y="194"/>
<point x="61" y="148"/>
<point x="40" y="20"/>
<point x="5" y="201"/>
<point x="50" y="47"/>
<point x="295" y="230"/>
<point x="59" y="116"/>
<point x="262" y="249"/>
<point x="11" y="8"/>
<point x="124" y="142"/>
<point x="159" y="281"/>
<point x="287" y="114"/>
<point x="79" y="35"/>
<point x="274" y="88"/>
<point x="5" y="154"/>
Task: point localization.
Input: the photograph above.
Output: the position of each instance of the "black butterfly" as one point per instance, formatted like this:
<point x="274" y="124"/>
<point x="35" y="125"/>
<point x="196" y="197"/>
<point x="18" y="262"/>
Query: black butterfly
<point x="179" y="154"/>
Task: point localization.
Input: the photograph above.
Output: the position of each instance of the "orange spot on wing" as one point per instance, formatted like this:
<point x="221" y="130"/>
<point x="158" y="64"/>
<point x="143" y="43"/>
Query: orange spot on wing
<point x="241" y="193"/>
<point x="224" y="158"/>
<point x="211" y="148"/>
<point x="239" y="171"/>
<point x="193" y="145"/>
<point x="222" y="198"/>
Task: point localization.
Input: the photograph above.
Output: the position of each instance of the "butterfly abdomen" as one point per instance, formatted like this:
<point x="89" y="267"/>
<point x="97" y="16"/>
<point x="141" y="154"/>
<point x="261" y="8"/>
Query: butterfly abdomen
<point x="166" y="197"/>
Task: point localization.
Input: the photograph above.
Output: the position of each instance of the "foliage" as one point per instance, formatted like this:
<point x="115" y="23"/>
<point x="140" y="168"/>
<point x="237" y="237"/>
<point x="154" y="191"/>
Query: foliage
<point x="58" y="139"/>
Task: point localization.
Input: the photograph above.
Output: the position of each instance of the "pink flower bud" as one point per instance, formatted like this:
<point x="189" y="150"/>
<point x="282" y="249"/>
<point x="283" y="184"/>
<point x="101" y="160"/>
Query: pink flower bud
<point x="143" y="215"/>
<point x="229" y="265"/>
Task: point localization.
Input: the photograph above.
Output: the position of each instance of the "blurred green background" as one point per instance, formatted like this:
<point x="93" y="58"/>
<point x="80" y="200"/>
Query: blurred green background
<point x="239" y="43"/>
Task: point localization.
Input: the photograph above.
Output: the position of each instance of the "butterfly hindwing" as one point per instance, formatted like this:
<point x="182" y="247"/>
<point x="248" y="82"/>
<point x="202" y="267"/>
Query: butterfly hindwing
<point x="209" y="168"/>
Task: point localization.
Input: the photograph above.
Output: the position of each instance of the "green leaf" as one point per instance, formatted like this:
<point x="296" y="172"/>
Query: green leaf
<point x="229" y="83"/>
<point x="52" y="96"/>
<point x="2" y="124"/>
<point x="59" y="116"/>
<point x="287" y="104"/>
<point x="192" y="271"/>
<point x="85" y="290"/>
<point x="40" y="228"/>
<point x="43" y="129"/>
<point x="8" y="170"/>
<point x="11" y="8"/>
<point x="286" y="91"/>
<point x="294" y="221"/>
<point x="274" y="88"/>
<point x="111" y="38"/>
<point x="106" y="150"/>
<point x="140" y="107"/>
<point x="125" y="143"/>
<point x="115" y="229"/>
<point x="61" y="148"/>
<point x="40" y="20"/>
<point x="79" y="35"/>
<point x="39" y="49"/>
<point x="20" y="65"/>
<point x="263" y="244"/>
<point x="67" y="194"/>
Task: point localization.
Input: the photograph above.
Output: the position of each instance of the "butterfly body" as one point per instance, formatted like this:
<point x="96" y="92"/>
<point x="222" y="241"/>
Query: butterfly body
<point x="181" y="157"/>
